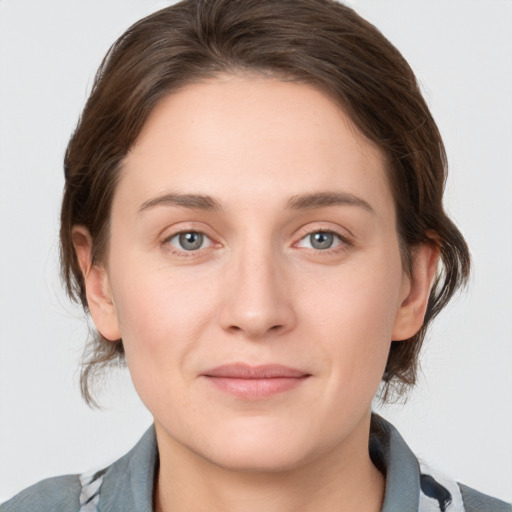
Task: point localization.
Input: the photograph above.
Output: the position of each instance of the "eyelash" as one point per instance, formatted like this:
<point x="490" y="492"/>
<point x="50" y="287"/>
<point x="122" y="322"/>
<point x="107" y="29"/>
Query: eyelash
<point x="183" y="252"/>
<point x="343" y="242"/>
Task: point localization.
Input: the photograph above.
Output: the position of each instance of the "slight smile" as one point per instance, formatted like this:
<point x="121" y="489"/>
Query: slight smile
<point x="255" y="382"/>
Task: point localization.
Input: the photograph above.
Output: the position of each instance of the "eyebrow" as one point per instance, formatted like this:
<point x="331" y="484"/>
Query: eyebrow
<point x="299" y="202"/>
<point x="325" y="199"/>
<point x="194" y="201"/>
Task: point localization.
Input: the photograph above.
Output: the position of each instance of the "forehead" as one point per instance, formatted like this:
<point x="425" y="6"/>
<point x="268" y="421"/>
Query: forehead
<point x="244" y="138"/>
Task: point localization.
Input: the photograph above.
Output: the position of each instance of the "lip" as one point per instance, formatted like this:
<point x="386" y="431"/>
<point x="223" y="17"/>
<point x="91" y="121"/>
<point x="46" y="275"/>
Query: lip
<point x="255" y="382"/>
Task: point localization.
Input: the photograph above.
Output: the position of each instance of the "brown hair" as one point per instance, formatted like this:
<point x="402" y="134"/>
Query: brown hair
<point x="319" y="42"/>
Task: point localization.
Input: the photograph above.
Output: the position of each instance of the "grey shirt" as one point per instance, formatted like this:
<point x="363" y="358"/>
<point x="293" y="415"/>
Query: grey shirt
<point x="127" y="485"/>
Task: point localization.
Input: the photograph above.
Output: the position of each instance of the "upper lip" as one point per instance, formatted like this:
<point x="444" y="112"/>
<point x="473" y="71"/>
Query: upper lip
<point x="246" y="371"/>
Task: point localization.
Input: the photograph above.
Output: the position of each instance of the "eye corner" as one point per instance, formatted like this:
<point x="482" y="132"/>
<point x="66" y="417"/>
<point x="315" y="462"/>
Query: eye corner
<point x="188" y="242"/>
<point x="327" y="241"/>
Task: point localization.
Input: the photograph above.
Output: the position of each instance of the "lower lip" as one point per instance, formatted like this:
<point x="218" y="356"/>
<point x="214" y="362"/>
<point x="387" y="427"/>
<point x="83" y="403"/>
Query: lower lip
<point x="256" y="389"/>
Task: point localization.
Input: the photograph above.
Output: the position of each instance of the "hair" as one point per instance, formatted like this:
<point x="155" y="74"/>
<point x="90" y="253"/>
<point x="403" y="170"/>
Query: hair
<point x="317" y="42"/>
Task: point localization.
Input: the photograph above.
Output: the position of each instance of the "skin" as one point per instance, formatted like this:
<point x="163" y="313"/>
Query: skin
<point x="258" y="292"/>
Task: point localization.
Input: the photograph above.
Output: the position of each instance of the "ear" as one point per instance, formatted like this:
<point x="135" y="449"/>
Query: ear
<point x="97" y="286"/>
<point x="416" y="292"/>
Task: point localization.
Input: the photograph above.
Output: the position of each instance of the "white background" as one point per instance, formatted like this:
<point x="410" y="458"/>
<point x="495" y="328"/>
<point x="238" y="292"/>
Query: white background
<point x="460" y="417"/>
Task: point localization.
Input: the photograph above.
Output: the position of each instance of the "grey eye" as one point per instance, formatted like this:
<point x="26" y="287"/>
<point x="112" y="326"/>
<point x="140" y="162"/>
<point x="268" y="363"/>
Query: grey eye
<point x="321" y="240"/>
<point x="188" y="241"/>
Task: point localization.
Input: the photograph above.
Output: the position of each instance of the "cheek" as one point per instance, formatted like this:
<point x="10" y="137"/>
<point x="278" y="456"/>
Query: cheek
<point x="162" y="319"/>
<point x="352" y="315"/>
<point x="161" y="314"/>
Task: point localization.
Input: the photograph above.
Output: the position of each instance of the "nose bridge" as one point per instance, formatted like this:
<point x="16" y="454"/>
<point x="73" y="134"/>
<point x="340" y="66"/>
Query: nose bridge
<point x="257" y="301"/>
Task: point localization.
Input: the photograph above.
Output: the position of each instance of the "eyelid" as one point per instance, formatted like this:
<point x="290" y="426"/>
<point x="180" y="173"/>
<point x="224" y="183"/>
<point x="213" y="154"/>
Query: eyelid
<point x="336" y="235"/>
<point x="345" y="239"/>
<point x="179" y="233"/>
<point x="174" y="232"/>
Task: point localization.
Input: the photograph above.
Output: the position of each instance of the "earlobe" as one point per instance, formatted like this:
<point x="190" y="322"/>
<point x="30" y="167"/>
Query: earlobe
<point x="412" y="309"/>
<point x="97" y="286"/>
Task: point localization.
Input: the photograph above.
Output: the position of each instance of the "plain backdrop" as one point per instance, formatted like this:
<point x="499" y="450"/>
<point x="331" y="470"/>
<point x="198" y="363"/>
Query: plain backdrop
<point x="459" y="419"/>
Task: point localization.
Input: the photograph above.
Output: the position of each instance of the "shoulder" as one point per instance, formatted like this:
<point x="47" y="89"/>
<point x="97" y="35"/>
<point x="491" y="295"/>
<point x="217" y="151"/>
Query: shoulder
<point x="413" y="486"/>
<point x="440" y="492"/>
<point x="58" y="494"/>
<point x="126" y="485"/>
<point x="475" y="501"/>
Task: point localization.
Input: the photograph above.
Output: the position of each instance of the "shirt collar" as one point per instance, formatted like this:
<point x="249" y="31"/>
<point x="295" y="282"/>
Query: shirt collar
<point x="128" y="483"/>
<point x="390" y="453"/>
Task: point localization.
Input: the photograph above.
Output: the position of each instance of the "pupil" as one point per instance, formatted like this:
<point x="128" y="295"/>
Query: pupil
<point x="321" y="240"/>
<point x="191" y="241"/>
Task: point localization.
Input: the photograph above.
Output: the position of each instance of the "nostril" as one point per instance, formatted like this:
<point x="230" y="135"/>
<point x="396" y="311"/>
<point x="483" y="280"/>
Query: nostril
<point x="273" y="328"/>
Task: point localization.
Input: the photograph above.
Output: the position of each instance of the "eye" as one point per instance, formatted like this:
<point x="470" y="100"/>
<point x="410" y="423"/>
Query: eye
<point x="189" y="241"/>
<point x="321" y="240"/>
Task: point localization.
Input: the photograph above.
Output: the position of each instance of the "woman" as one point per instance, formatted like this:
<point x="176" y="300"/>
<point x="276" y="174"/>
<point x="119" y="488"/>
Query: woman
<point x="253" y="217"/>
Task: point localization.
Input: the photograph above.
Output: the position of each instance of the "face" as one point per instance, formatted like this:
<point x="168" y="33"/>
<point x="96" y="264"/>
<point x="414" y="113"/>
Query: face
<point x="254" y="273"/>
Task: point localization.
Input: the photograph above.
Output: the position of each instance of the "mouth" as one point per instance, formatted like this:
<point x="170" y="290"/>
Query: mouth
<point x="255" y="382"/>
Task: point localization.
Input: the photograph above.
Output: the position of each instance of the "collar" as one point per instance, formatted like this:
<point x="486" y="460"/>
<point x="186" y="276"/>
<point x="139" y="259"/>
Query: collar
<point x="390" y="453"/>
<point x="128" y="483"/>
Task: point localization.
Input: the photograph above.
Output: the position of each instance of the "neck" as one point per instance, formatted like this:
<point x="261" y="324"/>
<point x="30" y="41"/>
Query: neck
<point x="342" y="480"/>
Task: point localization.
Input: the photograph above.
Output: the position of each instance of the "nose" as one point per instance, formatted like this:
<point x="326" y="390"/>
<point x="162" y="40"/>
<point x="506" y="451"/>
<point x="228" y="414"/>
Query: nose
<point x="258" y="302"/>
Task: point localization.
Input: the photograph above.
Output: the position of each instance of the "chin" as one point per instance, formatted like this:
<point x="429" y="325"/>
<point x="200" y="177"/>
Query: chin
<point x="258" y="446"/>
<point x="269" y="458"/>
